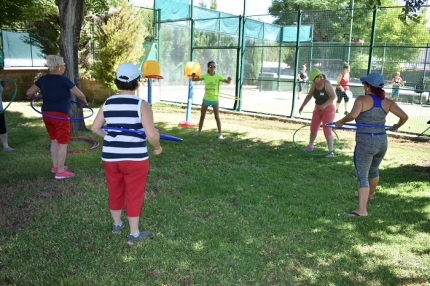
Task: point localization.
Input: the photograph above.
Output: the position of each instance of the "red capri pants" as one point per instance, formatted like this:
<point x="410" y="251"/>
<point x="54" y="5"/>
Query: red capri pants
<point x="126" y="181"/>
<point x="324" y="116"/>
<point x="57" y="129"/>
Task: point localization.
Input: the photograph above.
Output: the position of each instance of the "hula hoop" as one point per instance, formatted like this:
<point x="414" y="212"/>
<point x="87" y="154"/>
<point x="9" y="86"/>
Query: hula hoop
<point x="61" y="118"/>
<point x="224" y="95"/>
<point x="332" y="125"/>
<point x="228" y="96"/>
<point x="162" y="136"/>
<point x="309" y="153"/>
<point x="13" y="96"/>
<point x="94" y="142"/>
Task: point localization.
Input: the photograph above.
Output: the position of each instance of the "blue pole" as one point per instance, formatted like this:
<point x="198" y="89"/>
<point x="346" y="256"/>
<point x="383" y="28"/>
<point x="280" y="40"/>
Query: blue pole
<point x="150" y="91"/>
<point x="190" y="99"/>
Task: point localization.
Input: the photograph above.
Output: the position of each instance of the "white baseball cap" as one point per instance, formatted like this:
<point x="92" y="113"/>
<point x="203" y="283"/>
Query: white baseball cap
<point x="127" y="72"/>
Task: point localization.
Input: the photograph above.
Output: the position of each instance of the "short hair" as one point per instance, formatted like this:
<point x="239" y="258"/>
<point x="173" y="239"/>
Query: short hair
<point x="53" y="62"/>
<point x="131" y="85"/>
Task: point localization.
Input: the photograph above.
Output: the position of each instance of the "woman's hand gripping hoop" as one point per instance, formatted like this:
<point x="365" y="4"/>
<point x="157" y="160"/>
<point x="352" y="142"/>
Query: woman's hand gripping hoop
<point x="162" y="136"/>
<point x="61" y="118"/>
<point x="313" y="153"/>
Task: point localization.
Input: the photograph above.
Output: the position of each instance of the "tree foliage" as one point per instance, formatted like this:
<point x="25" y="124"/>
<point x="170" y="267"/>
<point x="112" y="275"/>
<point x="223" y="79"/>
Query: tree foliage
<point x="411" y="10"/>
<point x="119" y="39"/>
<point x="18" y="12"/>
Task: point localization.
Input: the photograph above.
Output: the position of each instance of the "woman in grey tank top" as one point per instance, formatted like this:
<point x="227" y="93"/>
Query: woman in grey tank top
<point x="371" y="141"/>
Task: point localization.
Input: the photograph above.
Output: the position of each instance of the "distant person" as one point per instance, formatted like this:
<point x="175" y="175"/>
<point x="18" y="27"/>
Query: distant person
<point x="56" y="95"/>
<point x="3" y="130"/>
<point x="342" y="88"/>
<point x="396" y="83"/>
<point x="211" y="80"/>
<point x="301" y="77"/>
<point x="322" y="90"/>
<point x="371" y="141"/>
<point x="125" y="155"/>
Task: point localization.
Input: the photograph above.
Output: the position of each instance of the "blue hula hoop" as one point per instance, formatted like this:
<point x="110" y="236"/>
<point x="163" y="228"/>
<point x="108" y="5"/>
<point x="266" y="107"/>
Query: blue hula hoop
<point x="61" y="118"/>
<point x="162" y="136"/>
<point x="353" y="126"/>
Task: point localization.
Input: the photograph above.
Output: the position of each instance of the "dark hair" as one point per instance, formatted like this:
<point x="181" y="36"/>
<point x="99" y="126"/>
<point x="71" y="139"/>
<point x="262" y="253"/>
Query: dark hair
<point x="132" y="85"/>
<point x="345" y="65"/>
<point x="379" y="92"/>
<point x="209" y="63"/>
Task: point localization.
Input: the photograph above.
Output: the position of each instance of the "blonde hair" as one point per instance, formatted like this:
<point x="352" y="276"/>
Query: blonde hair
<point x="53" y="62"/>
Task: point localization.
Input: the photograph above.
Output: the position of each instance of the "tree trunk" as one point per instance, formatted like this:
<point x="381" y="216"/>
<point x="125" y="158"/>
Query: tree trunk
<point x="71" y="18"/>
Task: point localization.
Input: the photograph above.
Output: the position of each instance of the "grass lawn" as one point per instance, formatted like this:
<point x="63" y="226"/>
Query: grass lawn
<point x="247" y="210"/>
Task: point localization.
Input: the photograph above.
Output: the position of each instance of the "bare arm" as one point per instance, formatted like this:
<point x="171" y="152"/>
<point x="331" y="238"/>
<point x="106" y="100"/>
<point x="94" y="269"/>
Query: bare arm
<point x="228" y="80"/>
<point x="32" y="91"/>
<point x="148" y="124"/>
<point x="307" y="98"/>
<point x="98" y="123"/>
<point x="76" y="91"/>
<point x="355" y="111"/>
<point x="403" y="117"/>
<point x="339" y="78"/>
<point x="195" y="78"/>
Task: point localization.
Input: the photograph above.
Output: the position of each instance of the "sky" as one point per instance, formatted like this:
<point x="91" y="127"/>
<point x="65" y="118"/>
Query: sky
<point x="253" y="7"/>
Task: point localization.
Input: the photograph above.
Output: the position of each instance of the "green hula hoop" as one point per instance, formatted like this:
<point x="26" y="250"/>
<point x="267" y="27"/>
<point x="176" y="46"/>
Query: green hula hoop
<point x="310" y="153"/>
<point x="13" y="97"/>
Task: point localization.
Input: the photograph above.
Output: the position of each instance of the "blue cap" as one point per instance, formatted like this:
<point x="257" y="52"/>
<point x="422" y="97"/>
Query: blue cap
<point x="374" y="79"/>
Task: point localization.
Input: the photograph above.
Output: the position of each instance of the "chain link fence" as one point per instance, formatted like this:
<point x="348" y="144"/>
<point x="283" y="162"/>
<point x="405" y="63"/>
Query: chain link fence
<point x="264" y="58"/>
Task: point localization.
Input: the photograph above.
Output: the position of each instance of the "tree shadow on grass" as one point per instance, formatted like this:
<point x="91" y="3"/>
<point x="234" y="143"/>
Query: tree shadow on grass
<point x="234" y="210"/>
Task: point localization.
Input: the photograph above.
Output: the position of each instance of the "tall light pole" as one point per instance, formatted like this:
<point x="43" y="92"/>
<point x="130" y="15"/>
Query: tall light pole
<point x="350" y="30"/>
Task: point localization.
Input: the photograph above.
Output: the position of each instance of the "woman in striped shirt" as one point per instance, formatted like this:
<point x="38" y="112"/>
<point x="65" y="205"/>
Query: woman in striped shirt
<point x="125" y="154"/>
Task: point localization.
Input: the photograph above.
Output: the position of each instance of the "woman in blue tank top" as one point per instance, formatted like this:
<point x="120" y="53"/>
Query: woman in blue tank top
<point x="371" y="142"/>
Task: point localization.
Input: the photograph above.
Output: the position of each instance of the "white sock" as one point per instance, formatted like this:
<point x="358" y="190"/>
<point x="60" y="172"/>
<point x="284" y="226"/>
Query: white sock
<point x="136" y="235"/>
<point x="120" y="224"/>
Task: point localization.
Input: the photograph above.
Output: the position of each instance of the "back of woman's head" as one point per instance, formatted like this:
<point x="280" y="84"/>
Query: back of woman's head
<point x="379" y="92"/>
<point x="53" y="62"/>
<point x="375" y="81"/>
<point x="346" y="65"/>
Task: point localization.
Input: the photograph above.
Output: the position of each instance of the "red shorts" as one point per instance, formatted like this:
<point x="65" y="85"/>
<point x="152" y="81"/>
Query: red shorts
<point x="57" y="129"/>
<point x="126" y="181"/>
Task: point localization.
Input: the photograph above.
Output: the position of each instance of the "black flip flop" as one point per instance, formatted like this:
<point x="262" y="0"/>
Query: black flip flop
<point x="351" y="213"/>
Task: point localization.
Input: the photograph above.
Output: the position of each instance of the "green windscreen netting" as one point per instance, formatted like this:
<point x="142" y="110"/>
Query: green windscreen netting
<point x="19" y="52"/>
<point x="211" y="20"/>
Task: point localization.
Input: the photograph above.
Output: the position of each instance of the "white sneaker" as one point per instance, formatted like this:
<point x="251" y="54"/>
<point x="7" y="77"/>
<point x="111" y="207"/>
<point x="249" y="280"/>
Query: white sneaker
<point x="220" y="137"/>
<point x="197" y="134"/>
